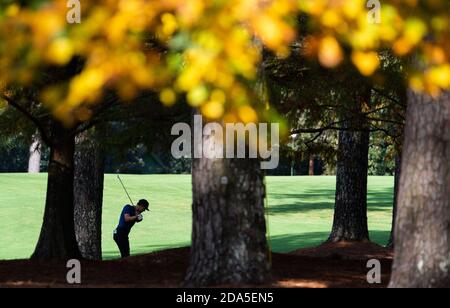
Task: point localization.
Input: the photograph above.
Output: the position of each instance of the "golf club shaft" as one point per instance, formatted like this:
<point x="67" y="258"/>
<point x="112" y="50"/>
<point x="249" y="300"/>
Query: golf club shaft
<point x="125" y="190"/>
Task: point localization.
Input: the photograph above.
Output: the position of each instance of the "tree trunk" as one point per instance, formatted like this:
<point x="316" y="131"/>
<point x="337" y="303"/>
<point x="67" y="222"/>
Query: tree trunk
<point x="34" y="162"/>
<point x="311" y="165"/>
<point x="422" y="233"/>
<point x="350" y="214"/>
<point x="229" y="244"/>
<point x="57" y="239"/>
<point x="398" y="164"/>
<point x="88" y="195"/>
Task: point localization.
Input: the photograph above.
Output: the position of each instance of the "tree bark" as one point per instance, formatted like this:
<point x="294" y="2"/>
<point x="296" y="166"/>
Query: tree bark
<point x="422" y="233"/>
<point x="398" y="164"/>
<point x="229" y="244"/>
<point x="57" y="239"/>
<point x="34" y="162"/>
<point x="350" y="214"/>
<point x="88" y="195"/>
<point x="311" y="165"/>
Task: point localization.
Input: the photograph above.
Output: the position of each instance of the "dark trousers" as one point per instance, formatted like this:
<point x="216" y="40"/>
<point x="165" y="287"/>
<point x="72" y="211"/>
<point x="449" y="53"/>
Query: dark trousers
<point x="121" y="239"/>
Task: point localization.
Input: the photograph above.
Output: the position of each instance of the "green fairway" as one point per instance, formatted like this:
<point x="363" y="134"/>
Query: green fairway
<point x="300" y="211"/>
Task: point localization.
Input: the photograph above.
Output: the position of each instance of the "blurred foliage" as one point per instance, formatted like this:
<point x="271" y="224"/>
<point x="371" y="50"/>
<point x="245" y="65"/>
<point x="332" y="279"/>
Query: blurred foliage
<point x="208" y="50"/>
<point x="407" y="27"/>
<point x="13" y="154"/>
<point x="316" y="101"/>
<point x="13" y="124"/>
<point x="205" y="49"/>
<point x="381" y="156"/>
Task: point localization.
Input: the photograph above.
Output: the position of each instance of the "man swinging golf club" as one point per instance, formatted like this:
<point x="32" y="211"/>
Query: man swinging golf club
<point x="130" y="215"/>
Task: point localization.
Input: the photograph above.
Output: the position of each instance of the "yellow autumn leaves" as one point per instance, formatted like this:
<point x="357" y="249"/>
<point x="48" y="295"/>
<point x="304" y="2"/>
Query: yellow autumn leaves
<point x="432" y="80"/>
<point x="223" y="50"/>
<point x="366" y="62"/>
<point x="210" y="51"/>
<point x="330" y="53"/>
<point x="402" y="27"/>
<point x="60" y="51"/>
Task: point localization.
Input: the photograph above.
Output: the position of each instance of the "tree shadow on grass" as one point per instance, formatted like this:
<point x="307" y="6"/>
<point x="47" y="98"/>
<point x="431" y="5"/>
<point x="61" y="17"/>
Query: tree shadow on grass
<point x="280" y="243"/>
<point x="290" y="242"/>
<point x="142" y="250"/>
<point x="377" y="200"/>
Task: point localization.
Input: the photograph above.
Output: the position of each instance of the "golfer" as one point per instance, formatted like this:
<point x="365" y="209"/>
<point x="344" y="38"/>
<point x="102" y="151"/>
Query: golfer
<point x="129" y="216"/>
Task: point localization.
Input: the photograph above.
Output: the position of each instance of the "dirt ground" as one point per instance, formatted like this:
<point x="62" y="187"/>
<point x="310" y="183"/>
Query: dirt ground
<point x="326" y="266"/>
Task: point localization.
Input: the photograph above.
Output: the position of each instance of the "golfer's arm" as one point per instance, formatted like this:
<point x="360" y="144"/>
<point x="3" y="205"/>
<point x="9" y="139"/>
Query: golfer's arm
<point x="130" y="218"/>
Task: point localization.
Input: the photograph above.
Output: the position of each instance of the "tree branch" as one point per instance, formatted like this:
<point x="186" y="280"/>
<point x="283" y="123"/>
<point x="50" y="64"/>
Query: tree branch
<point x="336" y="128"/>
<point x="385" y="95"/>
<point x="314" y="138"/>
<point x="385" y="120"/>
<point x="30" y="116"/>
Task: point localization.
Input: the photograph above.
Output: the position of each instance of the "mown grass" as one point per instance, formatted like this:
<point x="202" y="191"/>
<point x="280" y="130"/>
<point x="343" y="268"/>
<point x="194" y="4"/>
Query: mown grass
<point x="300" y="211"/>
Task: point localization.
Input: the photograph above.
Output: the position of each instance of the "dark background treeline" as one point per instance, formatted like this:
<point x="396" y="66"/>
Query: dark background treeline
<point x="15" y="152"/>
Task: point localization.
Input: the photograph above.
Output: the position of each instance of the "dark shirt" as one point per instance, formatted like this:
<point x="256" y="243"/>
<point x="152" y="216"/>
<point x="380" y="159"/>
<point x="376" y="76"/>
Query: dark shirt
<point x="123" y="225"/>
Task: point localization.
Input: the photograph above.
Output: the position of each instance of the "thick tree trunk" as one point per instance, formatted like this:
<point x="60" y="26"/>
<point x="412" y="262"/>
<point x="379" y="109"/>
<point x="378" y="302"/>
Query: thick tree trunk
<point x="398" y="164"/>
<point x="422" y="233"/>
<point x="350" y="214"/>
<point x="88" y="195"/>
<point x="229" y="244"/>
<point x="57" y="239"/>
<point x="34" y="162"/>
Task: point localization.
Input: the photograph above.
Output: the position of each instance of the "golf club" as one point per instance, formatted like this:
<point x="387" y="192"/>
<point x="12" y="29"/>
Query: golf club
<point x="125" y="190"/>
